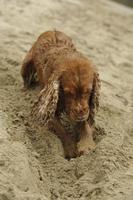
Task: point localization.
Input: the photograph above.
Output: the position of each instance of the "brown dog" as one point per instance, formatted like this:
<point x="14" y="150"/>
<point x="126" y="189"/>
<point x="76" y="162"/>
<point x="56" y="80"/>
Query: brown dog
<point x="70" y="90"/>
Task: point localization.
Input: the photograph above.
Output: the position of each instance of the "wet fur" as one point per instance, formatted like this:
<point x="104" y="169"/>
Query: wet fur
<point x="65" y="76"/>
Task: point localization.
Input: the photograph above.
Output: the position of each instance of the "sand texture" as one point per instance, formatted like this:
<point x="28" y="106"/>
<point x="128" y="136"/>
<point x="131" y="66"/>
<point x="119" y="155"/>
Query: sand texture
<point x="32" y="166"/>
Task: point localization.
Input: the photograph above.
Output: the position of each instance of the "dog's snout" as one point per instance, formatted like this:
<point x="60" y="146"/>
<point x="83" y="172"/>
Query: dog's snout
<point x="80" y="111"/>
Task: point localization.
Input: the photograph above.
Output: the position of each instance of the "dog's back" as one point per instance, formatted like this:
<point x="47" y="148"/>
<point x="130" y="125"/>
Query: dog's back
<point x="54" y="39"/>
<point x="41" y="58"/>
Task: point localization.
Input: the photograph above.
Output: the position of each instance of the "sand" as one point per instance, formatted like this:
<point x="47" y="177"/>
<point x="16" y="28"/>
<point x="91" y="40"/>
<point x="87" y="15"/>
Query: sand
<point x="32" y="165"/>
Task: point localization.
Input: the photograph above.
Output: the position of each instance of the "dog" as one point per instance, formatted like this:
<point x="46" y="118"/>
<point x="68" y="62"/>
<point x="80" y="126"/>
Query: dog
<point x="70" y="85"/>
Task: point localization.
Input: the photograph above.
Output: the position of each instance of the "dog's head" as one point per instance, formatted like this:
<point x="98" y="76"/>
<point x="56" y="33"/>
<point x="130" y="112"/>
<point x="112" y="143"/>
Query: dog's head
<point x="76" y="91"/>
<point x="77" y="84"/>
<point x="79" y="90"/>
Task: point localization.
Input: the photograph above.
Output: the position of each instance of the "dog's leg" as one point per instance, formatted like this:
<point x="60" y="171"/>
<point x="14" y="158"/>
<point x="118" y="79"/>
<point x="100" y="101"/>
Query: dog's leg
<point x="68" y="143"/>
<point x="85" y="143"/>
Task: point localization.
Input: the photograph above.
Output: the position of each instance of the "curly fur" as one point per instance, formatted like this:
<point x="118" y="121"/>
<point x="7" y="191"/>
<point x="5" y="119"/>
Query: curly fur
<point x="46" y="105"/>
<point x="70" y="84"/>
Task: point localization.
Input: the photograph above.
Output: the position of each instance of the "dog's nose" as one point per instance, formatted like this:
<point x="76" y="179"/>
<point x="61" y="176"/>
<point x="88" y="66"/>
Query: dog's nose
<point x="81" y="113"/>
<point x="83" y="117"/>
<point x="78" y="111"/>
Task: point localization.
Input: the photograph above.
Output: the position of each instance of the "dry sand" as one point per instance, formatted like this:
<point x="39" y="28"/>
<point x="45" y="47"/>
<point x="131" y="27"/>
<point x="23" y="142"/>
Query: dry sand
<point x="32" y="166"/>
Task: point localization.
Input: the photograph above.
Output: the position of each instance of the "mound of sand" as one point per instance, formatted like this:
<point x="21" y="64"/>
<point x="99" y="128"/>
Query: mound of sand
<point x="32" y="166"/>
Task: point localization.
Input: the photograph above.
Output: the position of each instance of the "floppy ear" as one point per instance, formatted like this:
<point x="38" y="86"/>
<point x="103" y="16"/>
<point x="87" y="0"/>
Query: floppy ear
<point x="94" y="98"/>
<point x="45" y="107"/>
<point x="61" y="102"/>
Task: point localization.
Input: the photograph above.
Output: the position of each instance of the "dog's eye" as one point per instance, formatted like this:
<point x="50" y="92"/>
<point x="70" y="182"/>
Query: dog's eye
<point x="69" y="94"/>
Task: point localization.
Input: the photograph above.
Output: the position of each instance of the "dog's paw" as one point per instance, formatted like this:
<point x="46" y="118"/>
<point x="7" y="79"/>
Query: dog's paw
<point x="85" y="146"/>
<point x="70" y="150"/>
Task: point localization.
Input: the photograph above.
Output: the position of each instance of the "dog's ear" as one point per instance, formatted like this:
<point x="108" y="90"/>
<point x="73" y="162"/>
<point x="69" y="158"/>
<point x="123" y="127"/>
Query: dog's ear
<point x="94" y="98"/>
<point x="45" y="107"/>
<point x="61" y="101"/>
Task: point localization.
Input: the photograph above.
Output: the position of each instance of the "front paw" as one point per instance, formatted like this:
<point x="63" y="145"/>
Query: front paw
<point x="85" y="146"/>
<point x="70" y="150"/>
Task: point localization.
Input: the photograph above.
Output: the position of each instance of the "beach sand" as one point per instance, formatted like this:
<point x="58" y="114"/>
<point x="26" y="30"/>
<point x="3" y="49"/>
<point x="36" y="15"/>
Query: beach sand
<point x="32" y="164"/>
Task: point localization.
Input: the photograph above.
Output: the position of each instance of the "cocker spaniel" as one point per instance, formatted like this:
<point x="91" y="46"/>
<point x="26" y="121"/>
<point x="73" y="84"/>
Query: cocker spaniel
<point x="70" y="85"/>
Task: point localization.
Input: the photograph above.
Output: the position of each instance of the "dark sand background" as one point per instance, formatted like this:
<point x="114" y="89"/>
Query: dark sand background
<point x="32" y="166"/>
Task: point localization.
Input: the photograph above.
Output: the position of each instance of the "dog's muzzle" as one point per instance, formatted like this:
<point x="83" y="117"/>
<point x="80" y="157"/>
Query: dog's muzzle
<point x="82" y="118"/>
